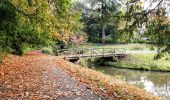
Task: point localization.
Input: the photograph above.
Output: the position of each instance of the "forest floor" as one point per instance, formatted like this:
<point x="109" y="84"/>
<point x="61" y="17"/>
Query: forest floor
<point x="38" y="76"/>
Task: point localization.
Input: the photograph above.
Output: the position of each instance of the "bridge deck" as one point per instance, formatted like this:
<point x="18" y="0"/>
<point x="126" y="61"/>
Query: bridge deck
<point x="91" y="52"/>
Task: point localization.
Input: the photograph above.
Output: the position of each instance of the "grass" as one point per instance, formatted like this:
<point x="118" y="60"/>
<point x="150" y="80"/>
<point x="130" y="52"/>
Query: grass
<point x="45" y="49"/>
<point x="145" y="62"/>
<point x="126" y="46"/>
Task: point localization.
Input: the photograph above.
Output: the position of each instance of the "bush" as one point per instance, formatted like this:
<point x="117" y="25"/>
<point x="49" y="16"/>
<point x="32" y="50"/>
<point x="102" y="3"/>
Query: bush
<point x="167" y="58"/>
<point x="48" y="50"/>
<point x="2" y="54"/>
<point x="108" y="39"/>
<point x="87" y="62"/>
<point x="17" y="33"/>
<point x="152" y="48"/>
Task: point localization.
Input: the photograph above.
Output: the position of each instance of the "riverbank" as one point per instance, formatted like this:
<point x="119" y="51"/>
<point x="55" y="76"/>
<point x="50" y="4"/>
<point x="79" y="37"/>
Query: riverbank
<point x="144" y="62"/>
<point x="44" y="76"/>
<point x="151" y="81"/>
<point x="105" y="83"/>
<point x="136" y="61"/>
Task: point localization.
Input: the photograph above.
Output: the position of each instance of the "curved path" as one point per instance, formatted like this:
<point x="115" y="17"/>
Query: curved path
<point x="37" y="76"/>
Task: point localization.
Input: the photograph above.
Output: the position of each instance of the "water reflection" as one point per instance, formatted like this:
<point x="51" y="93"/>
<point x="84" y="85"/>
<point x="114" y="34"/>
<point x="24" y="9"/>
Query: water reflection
<point x="155" y="82"/>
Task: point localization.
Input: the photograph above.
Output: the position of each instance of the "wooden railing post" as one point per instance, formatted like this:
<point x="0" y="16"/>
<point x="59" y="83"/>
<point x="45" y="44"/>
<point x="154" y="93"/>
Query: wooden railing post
<point x="103" y="52"/>
<point x="113" y="52"/>
<point x="92" y="51"/>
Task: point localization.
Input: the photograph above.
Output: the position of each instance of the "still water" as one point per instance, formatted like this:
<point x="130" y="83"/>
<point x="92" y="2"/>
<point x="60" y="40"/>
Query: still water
<point x="154" y="82"/>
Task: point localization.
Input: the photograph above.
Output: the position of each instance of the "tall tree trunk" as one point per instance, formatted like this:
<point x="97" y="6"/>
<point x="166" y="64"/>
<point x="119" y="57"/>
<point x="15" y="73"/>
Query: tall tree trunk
<point x="102" y="23"/>
<point x="103" y="33"/>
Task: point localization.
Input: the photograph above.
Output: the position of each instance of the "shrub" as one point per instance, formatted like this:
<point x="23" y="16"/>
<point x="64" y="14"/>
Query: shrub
<point x="109" y="39"/>
<point x="167" y="58"/>
<point x="48" y="50"/>
<point x="152" y="48"/>
<point x="1" y="55"/>
<point x="16" y="33"/>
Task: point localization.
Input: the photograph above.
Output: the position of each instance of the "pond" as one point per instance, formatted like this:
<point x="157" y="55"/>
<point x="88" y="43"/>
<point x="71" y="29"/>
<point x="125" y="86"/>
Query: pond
<point x="157" y="83"/>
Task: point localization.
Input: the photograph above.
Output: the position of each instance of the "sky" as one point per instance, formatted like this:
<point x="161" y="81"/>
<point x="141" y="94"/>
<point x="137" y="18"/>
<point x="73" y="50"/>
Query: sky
<point x="146" y="4"/>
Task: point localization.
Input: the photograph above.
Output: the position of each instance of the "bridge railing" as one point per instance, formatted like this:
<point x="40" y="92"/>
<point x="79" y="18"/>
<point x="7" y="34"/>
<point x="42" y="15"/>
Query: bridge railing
<point x="90" y="52"/>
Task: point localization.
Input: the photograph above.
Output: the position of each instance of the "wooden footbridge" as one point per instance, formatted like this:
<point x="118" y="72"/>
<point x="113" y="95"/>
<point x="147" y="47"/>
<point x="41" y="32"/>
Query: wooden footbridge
<point x="73" y="54"/>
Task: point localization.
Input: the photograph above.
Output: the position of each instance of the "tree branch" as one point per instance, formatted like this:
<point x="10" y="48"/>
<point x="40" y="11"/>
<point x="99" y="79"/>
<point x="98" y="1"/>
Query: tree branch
<point x="145" y="14"/>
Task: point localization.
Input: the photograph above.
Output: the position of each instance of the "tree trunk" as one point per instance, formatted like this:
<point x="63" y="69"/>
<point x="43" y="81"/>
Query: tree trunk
<point x="102" y="22"/>
<point x="103" y="33"/>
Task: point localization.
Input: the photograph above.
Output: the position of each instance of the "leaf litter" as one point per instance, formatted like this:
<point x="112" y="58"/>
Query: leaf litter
<point x="37" y="76"/>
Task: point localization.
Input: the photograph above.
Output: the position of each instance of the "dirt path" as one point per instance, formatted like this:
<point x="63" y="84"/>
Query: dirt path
<point x="37" y="76"/>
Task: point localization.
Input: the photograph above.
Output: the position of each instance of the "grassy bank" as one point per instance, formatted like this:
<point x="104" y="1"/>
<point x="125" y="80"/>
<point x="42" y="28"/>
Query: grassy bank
<point x="132" y="61"/>
<point x="126" y="46"/>
<point x="104" y="83"/>
<point x="145" y="62"/>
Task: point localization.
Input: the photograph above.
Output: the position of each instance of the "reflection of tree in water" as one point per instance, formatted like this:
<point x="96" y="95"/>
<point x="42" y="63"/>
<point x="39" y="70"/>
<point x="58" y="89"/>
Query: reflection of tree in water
<point x="132" y="76"/>
<point x="161" y="82"/>
<point x="128" y="75"/>
<point x="159" y="79"/>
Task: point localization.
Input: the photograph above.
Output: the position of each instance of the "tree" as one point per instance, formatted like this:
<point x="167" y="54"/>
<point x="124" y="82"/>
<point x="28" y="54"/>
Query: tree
<point x="17" y="31"/>
<point x="67" y="20"/>
<point x="153" y="19"/>
<point x="98" y="16"/>
<point x="158" y="30"/>
<point x="35" y="23"/>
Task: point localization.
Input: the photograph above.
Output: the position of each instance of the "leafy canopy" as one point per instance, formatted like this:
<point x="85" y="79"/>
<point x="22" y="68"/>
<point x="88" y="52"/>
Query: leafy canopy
<point x="35" y="23"/>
